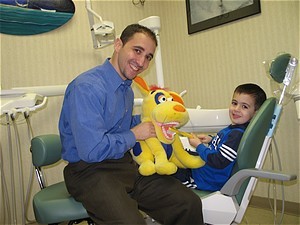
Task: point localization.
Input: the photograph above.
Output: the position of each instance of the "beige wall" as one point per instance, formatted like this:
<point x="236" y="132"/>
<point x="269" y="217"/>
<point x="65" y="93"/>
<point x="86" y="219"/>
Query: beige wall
<point x="208" y="64"/>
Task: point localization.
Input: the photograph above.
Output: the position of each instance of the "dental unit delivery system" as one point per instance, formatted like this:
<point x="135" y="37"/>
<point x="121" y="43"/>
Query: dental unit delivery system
<point x="14" y="103"/>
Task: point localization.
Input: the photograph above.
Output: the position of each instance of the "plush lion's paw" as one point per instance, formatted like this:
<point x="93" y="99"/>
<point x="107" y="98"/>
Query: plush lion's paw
<point x="147" y="168"/>
<point x="166" y="168"/>
<point x="188" y="160"/>
<point x="194" y="162"/>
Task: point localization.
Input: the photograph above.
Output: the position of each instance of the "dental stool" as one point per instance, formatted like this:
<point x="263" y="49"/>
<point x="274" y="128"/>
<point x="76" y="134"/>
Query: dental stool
<point x="53" y="204"/>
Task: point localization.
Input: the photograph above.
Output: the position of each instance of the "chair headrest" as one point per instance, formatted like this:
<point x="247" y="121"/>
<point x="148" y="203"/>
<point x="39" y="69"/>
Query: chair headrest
<point x="253" y="139"/>
<point x="46" y="149"/>
<point x="254" y="136"/>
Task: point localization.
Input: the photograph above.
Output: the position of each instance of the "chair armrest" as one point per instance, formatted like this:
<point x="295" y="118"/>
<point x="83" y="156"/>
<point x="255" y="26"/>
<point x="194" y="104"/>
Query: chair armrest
<point x="233" y="185"/>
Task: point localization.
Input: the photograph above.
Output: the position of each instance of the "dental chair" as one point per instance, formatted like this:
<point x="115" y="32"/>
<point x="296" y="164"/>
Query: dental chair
<point x="53" y="204"/>
<point x="229" y="205"/>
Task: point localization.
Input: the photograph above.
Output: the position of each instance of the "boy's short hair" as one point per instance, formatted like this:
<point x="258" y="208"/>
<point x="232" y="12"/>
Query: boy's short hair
<point x="255" y="91"/>
<point x="132" y="29"/>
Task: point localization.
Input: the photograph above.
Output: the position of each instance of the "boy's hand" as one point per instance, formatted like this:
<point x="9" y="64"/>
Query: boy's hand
<point x="204" y="138"/>
<point x="194" y="141"/>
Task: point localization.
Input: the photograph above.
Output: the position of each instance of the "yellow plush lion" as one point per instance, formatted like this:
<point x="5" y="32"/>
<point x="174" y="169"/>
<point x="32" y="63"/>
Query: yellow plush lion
<point x="164" y="154"/>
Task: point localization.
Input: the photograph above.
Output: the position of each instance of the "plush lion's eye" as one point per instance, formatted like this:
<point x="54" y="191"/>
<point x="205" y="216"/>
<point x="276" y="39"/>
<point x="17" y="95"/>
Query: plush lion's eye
<point x="160" y="98"/>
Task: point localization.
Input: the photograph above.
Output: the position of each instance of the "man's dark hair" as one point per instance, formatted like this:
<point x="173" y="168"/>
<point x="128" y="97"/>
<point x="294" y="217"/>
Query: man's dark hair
<point x="130" y="30"/>
<point x="255" y="91"/>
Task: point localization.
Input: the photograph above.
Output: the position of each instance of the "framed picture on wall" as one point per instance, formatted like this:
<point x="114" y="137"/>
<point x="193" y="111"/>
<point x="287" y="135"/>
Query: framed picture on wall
<point x="205" y="14"/>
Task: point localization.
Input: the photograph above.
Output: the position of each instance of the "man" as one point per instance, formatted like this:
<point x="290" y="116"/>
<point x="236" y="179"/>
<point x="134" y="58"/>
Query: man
<point x="97" y="131"/>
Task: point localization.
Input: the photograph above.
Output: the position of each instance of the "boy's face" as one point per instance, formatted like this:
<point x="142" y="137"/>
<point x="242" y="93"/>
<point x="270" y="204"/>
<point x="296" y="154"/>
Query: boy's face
<point x="242" y="108"/>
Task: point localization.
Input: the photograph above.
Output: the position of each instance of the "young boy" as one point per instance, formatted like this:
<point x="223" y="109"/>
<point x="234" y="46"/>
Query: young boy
<point x="220" y="151"/>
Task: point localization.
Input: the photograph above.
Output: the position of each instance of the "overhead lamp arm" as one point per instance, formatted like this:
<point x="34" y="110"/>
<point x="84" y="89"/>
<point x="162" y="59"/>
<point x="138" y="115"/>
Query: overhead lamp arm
<point x="103" y="32"/>
<point x="153" y="23"/>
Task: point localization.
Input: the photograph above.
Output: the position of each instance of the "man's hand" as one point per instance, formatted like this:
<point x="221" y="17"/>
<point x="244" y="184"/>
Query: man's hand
<point x="144" y="131"/>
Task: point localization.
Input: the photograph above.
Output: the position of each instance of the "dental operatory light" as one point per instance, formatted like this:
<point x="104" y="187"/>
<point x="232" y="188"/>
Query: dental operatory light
<point x="284" y="83"/>
<point x="153" y="23"/>
<point x="103" y="32"/>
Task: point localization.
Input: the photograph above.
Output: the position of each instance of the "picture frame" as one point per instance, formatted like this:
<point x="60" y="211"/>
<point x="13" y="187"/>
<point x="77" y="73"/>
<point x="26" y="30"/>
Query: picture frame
<point x="203" y="15"/>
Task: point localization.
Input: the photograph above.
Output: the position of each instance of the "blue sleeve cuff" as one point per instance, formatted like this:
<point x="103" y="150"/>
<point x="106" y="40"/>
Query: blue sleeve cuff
<point x="131" y="140"/>
<point x="136" y="119"/>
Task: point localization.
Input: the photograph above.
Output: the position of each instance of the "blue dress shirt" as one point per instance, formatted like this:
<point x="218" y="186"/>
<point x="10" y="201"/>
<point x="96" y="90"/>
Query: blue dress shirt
<point x="96" y="116"/>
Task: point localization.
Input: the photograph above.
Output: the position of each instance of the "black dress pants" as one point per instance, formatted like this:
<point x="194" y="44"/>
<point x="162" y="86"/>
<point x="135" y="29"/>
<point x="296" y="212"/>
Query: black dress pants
<point x="113" y="192"/>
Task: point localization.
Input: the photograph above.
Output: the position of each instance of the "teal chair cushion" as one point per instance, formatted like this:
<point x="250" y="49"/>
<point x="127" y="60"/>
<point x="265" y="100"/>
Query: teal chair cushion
<point x="54" y="204"/>
<point x="46" y="150"/>
<point x="202" y="193"/>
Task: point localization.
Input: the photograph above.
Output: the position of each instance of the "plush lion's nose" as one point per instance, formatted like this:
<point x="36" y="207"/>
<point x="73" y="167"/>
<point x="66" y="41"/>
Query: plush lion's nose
<point x="179" y="108"/>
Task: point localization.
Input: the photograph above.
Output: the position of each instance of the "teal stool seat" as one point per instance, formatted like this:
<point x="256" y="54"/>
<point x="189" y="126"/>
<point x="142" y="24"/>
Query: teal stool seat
<point x="53" y="204"/>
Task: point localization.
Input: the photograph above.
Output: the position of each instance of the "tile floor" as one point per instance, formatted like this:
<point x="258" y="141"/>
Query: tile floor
<point x="265" y="217"/>
<point x="253" y="216"/>
<point x="258" y="216"/>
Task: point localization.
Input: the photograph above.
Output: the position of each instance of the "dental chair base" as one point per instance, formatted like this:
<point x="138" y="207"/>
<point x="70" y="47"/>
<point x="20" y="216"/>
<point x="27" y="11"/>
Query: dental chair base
<point x="222" y="207"/>
<point x="219" y="209"/>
